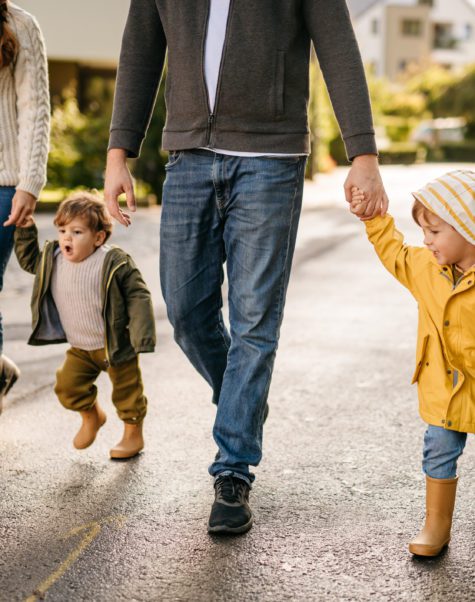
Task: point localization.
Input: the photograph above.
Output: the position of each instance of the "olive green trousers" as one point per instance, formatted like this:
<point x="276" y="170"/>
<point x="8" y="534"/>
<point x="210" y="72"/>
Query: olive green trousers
<point x="76" y="390"/>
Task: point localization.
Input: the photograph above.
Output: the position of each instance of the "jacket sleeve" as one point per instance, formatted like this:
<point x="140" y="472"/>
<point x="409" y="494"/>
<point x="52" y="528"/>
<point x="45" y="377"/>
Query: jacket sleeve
<point x="140" y="68"/>
<point x="139" y="308"/>
<point x="398" y="258"/>
<point x="33" y="110"/>
<point x="27" y="249"/>
<point x="329" y="25"/>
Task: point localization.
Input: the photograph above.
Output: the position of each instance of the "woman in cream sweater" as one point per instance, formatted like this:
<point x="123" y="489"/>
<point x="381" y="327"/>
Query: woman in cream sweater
<point x="24" y="133"/>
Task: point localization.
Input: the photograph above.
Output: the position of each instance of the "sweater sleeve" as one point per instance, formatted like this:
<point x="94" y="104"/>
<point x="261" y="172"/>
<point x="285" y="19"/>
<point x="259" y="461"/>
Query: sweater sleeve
<point x="33" y="107"/>
<point x="399" y="259"/>
<point x="330" y="28"/>
<point x="140" y="68"/>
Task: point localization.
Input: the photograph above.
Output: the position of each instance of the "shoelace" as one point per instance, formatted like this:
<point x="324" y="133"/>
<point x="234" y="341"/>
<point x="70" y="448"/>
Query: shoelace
<point x="229" y="489"/>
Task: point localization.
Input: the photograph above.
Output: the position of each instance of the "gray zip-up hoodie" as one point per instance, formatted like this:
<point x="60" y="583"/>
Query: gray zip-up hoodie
<point x="263" y="87"/>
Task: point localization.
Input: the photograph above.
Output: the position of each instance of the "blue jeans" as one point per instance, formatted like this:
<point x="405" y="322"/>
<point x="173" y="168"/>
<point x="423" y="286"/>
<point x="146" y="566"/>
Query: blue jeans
<point x="6" y="239"/>
<point x="245" y="212"/>
<point x="442" y="449"/>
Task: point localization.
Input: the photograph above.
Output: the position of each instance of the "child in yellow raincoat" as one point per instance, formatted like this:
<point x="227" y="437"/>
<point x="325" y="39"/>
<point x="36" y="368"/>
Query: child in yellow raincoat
<point x="441" y="277"/>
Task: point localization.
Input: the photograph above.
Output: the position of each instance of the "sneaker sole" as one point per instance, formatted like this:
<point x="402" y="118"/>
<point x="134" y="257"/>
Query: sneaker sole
<point x="225" y="530"/>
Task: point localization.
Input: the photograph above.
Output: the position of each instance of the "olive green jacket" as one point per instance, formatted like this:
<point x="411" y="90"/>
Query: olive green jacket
<point x="127" y="305"/>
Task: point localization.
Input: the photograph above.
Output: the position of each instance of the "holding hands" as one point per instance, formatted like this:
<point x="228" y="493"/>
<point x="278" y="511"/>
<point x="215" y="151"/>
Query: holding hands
<point x="358" y="203"/>
<point x="364" y="176"/>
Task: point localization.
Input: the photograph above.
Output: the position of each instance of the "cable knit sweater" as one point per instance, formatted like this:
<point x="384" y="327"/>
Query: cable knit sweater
<point x="24" y="108"/>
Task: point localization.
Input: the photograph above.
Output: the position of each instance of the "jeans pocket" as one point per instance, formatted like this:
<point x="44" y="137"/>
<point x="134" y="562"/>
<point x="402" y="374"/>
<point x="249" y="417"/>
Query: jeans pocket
<point x="173" y="158"/>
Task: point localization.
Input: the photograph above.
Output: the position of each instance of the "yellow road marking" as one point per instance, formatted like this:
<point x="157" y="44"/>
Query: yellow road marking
<point x="91" y="530"/>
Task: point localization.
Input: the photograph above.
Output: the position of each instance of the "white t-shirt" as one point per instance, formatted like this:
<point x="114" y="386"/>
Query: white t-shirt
<point x="217" y="23"/>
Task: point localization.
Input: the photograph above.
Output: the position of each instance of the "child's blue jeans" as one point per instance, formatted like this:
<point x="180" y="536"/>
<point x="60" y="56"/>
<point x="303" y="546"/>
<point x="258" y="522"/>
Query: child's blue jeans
<point x="442" y="449"/>
<point x="6" y="239"/>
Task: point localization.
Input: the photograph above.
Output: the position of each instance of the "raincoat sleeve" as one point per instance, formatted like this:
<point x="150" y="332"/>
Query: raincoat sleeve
<point x="27" y="249"/>
<point x="398" y="258"/>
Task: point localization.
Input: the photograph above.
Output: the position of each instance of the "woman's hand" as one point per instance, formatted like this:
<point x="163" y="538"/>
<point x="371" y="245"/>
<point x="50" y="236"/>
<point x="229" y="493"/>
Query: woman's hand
<point x="23" y="205"/>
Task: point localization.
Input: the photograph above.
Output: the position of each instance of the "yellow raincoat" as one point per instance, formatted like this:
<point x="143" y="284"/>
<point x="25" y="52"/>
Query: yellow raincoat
<point x="445" y="359"/>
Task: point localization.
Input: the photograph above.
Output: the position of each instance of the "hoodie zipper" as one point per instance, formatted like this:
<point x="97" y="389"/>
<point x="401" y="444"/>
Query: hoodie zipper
<point x="212" y="113"/>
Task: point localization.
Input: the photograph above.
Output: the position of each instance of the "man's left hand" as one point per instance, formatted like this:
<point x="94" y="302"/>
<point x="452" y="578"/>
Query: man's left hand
<point x="364" y="174"/>
<point x="23" y="205"/>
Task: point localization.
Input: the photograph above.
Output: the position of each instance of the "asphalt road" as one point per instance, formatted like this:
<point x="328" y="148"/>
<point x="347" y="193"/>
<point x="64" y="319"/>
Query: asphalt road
<point x="338" y="494"/>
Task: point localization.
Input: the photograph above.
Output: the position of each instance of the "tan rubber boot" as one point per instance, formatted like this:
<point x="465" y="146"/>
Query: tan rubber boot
<point x="440" y="502"/>
<point x="92" y="420"/>
<point x="9" y="374"/>
<point x="131" y="444"/>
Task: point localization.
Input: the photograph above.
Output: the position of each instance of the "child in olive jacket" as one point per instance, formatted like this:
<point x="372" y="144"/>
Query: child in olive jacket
<point x="93" y="296"/>
<point x="441" y="277"/>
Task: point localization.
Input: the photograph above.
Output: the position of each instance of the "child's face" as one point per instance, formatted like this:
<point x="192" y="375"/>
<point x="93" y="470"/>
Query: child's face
<point x="447" y="245"/>
<point x="77" y="241"/>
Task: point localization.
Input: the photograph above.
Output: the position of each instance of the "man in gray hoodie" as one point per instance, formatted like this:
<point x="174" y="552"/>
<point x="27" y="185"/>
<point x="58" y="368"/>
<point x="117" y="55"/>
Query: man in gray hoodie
<point x="238" y="138"/>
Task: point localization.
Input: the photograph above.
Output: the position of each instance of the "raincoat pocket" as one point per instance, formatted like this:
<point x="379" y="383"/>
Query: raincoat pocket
<point x="420" y="359"/>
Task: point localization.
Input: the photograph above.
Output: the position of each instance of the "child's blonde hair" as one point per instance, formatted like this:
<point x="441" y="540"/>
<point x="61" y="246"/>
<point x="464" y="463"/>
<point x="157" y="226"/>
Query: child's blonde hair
<point x="87" y="206"/>
<point x="419" y="209"/>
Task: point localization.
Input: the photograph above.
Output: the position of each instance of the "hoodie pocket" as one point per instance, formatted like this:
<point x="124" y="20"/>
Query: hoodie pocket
<point x="279" y="94"/>
<point x="420" y="359"/>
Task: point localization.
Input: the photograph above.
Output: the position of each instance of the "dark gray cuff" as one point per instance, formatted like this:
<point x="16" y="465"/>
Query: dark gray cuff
<point x="129" y="140"/>
<point x="362" y="144"/>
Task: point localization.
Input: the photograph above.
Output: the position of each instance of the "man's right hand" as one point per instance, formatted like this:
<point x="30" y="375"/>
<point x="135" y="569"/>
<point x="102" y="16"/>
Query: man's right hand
<point x="117" y="181"/>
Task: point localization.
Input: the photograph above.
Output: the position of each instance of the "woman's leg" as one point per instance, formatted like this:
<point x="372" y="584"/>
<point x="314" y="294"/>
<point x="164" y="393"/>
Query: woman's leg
<point x="6" y="239"/>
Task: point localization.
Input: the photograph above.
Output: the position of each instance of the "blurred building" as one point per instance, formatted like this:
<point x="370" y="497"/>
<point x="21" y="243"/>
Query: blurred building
<point x="83" y="43"/>
<point x="396" y="33"/>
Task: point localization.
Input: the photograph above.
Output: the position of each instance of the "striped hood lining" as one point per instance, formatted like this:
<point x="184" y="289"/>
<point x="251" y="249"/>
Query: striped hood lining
<point x="452" y="198"/>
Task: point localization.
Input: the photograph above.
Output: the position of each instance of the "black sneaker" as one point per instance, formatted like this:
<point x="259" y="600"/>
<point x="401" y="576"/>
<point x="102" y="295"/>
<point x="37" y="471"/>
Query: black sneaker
<point x="230" y="512"/>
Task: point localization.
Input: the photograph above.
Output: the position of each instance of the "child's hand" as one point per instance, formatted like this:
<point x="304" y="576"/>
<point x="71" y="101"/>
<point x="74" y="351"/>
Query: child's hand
<point x="358" y="202"/>
<point x="26" y="223"/>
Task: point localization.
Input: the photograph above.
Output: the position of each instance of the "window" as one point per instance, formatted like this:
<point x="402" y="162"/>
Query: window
<point x="411" y="27"/>
<point x="375" y="26"/>
<point x="443" y="36"/>
<point x="468" y="31"/>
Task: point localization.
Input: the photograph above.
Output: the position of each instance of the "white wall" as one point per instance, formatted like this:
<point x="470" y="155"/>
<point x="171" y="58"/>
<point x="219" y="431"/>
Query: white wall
<point x="372" y="45"/>
<point x="82" y="30"/>
<point x="460" y="13"/>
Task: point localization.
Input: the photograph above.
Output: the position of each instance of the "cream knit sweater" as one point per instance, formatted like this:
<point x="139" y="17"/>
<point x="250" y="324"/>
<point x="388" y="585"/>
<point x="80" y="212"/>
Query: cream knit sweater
<point x="24" y="108"/>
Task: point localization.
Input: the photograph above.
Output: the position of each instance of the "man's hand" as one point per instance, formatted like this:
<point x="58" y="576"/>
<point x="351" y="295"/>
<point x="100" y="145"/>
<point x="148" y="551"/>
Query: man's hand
<point x="23" y="205"/>
<point x="117" y="181"/>
<point x="364" y="175"/>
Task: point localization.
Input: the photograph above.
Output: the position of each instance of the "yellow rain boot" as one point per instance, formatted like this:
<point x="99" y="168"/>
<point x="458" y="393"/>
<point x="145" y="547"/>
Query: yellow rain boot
<point x="92" y="420"/>
<point x="440" y="502"/>
<point x="131" y="444"/>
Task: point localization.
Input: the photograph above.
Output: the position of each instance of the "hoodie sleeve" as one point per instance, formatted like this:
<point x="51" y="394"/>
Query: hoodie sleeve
<point x="140" y="68"/>
<point x="329" y="25"/>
